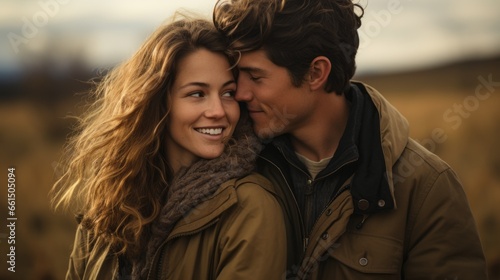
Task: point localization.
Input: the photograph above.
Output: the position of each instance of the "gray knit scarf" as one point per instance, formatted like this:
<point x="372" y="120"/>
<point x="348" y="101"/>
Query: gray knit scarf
<point x="195" y="184"/>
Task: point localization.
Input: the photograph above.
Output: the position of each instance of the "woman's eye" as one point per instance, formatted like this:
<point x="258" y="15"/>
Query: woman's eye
<point x="229" y="93"/>
<point x="196" y="94"/>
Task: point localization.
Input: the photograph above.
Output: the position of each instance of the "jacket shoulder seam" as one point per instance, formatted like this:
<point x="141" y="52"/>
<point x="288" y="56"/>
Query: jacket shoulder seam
<point x="432" y="160"/>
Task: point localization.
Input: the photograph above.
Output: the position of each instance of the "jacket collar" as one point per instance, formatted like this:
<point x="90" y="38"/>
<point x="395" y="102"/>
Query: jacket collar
<point x="369" y="188"/>
<point x="208" y="211"/>
<point x="394" y="130"/>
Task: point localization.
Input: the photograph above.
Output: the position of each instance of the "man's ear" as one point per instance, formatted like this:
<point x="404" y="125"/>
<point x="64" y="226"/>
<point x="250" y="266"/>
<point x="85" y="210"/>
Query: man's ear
<point x="319" y="72"/>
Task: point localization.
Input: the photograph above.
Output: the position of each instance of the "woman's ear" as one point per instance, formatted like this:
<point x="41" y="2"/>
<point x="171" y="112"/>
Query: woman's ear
<point x="319" y="72"/>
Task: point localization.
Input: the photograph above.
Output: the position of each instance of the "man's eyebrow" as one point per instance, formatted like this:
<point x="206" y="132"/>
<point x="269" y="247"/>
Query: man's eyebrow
<point x="252" y="70"/>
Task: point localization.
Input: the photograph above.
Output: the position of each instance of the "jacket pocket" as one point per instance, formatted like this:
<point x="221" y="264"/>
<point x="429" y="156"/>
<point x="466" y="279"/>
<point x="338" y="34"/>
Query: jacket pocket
<point x="365" y="254"/>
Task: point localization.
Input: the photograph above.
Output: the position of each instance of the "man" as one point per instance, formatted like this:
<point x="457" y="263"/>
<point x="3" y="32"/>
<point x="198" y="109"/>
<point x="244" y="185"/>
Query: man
<point x="361" y="199"/>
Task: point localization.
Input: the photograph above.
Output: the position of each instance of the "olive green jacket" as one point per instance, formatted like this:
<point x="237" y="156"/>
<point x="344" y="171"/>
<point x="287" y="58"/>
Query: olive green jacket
<point x="430" y="233"/>
<point x="238" y="233"/>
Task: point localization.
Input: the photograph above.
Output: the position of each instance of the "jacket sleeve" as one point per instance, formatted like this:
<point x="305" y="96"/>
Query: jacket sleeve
<point x="444" y="242"/>
<point x="252" y="243"/>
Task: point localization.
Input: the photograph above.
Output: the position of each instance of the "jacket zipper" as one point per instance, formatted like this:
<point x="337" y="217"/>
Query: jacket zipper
<point x="304" y="240"/>
<point x="337" y="169"/>
<point x="161" y="251"/>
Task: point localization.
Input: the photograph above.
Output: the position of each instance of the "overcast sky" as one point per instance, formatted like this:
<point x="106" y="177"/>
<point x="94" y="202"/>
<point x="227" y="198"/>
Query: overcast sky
<point x="396" y="34"/>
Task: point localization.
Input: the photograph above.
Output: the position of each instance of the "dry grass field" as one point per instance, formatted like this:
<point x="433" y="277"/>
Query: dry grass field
<point x="446" y="111"/>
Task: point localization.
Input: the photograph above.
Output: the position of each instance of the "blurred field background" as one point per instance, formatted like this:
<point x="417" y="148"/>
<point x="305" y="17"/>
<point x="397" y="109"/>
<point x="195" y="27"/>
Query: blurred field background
<point x="438" y="63"/>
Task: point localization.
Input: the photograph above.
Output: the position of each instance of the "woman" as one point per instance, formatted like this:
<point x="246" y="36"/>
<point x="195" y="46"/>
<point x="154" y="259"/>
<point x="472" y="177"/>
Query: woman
<point x="161" y="170"/>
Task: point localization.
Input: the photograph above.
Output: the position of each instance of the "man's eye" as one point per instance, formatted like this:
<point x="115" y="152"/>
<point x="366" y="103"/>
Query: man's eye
<point x="254" y="78"/>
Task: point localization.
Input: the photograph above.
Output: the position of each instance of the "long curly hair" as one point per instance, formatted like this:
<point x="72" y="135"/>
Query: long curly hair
<point x="115" y="164"/>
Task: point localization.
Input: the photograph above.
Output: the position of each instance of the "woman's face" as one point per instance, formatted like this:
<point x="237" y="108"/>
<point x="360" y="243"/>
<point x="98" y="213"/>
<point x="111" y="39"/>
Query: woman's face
<point x="203" y="112"/>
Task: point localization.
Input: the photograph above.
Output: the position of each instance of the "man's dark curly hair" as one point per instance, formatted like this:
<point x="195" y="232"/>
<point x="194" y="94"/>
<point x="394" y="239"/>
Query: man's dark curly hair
<point x="294" y="32"/>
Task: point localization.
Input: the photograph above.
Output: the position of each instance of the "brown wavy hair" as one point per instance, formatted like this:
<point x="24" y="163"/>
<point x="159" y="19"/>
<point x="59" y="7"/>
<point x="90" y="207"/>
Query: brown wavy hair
<point x="116" y="169"/>
<point x="294" y="32"/>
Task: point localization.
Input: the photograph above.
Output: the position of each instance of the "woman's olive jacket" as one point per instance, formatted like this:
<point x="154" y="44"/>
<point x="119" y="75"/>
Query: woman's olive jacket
<point x="427" y="233"/>
<point x="239" y="233"/>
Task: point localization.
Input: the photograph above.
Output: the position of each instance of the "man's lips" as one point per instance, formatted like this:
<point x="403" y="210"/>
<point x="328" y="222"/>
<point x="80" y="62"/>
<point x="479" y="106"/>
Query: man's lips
<point x="250" y="110"/>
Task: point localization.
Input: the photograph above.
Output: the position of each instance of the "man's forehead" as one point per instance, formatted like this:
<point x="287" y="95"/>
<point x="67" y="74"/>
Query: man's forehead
<point x="254" y="60"/>
<point x="252" y="70"/>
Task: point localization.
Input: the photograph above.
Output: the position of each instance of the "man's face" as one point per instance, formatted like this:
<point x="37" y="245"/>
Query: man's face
<point x="275" y="105"/>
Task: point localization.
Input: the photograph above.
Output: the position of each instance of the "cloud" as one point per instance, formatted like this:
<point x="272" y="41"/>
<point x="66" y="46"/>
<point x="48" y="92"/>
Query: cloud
<point x="396" y="34"/>
<point x="424" y="33"/>
<point x="107" y="31"/>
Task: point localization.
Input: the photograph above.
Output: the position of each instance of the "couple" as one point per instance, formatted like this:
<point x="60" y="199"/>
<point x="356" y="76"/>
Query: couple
<point x="173" y="184"/>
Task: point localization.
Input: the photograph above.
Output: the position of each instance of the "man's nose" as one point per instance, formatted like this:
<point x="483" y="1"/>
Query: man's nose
<point x="243" y="92"/>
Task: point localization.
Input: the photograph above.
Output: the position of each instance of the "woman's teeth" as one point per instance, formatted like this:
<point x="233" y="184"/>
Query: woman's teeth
<point x="211" y="131"/>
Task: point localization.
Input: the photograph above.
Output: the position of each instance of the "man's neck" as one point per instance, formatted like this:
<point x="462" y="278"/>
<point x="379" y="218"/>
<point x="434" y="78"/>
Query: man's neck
<point x="319" y="136"/>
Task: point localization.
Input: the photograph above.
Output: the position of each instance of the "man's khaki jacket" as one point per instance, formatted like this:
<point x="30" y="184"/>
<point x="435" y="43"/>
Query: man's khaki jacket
<point x="430" y="233"/>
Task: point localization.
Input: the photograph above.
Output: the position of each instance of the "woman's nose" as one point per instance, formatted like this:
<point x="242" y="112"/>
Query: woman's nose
<point x="215" y="108"/>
